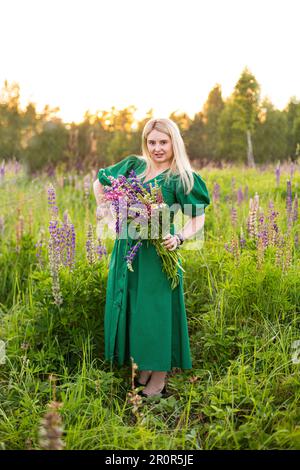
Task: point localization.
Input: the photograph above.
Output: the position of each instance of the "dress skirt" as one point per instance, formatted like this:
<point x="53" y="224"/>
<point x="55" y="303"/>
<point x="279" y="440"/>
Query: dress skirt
<point x="153" y="330"/>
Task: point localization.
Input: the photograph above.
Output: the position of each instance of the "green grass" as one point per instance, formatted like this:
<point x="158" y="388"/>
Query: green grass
<point x="243" y="391"/>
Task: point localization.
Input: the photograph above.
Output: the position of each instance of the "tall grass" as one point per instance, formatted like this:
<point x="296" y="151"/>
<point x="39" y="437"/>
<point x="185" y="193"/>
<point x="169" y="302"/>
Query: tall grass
<point x="243" y="315"/>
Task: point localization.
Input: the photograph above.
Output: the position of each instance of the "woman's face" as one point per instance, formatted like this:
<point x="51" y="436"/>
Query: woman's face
<point x="160" y="147"/>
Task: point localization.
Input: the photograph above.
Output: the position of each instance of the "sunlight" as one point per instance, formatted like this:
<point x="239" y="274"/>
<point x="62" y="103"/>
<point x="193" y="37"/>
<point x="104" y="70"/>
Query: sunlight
<point x="98" y="60"/>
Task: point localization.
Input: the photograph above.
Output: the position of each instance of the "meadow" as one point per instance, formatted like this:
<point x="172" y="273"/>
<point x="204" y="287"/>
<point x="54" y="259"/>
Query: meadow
<point x="242" y="291"/>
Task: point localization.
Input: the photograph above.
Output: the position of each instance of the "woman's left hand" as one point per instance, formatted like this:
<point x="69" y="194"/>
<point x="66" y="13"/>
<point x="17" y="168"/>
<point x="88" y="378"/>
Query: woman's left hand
<point x="171" y="242"/>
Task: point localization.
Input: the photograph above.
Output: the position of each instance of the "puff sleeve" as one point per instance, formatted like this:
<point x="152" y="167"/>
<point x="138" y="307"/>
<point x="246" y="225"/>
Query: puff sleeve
<point x="121" y="168"/>
<point x="194" y="203"/>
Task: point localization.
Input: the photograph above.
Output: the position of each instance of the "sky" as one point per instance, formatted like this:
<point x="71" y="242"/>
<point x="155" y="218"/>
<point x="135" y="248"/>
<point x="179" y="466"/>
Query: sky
<point x="161" y="54"/>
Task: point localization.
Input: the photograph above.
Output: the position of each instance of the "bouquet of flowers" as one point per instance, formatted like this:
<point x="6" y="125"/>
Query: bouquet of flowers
<point x="143" y="208"/>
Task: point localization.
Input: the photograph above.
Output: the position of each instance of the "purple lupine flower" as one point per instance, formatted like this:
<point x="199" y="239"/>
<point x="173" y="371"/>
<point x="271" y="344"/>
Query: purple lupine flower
<point x="54" y="249"/>
<point x="273" y="227"/>
<point x="216" y="193"/>
<point x="53" y="209"/>
<point x="288" y="256"/>
<point x="63" y="232"/>
<point x="279" y="251"/>
<point x="67" y="242"/>
<point x="235" y="247"/>
<point x="260" y="250"/>
<point x="262" y="231"/>
<point x="135" y="186"/>
<point x="61" y="235"/>
<point x="54" y="261"/>
<point x="68" y="247"/>
<point x="132" y="174"/>
<point x="132" y="253"/>
<point x="242" y="239"/>
<point x="90" y="244"/>
<point x="288" y="195"/>
<point x="233" y="217"/>
<point x="72" y="247"/>
<point x="277" y="174"/>
<point x="119" y="194"/>
<point x="252" y="217"/>
<point x="296" y="239"/>
<point x="295" y="208"/>
<point x="39" y="247"/>
<point x="114" y="201"/>
<point x="227" y="247"/>
<point x="54" y="245"/>
<point x="289" y="203"/>
<point x="61" y="245"/>
<point x="240" y="196"/>
<point x="53" y="228"/>
<point x="101" y="250"/>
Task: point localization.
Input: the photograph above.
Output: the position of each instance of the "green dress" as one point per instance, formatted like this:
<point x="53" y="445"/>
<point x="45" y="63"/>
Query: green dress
<point x="144" y="318"/>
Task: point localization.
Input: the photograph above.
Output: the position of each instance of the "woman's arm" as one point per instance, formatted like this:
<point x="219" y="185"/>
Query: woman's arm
<point x="193" y="225"/>
<point x="102" y="209"/>
<point x="98" y="191"/>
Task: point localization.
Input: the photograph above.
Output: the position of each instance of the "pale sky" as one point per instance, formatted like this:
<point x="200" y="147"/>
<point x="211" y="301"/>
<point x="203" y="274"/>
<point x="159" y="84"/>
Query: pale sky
<point x="160" y="54"/>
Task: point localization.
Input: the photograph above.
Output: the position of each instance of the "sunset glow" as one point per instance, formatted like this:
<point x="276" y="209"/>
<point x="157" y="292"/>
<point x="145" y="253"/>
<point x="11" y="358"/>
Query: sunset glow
<point x="165" y="55"/>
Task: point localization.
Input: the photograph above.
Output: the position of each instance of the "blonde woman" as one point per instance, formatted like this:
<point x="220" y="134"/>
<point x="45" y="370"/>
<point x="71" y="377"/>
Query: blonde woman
<point x="145" y="319"/>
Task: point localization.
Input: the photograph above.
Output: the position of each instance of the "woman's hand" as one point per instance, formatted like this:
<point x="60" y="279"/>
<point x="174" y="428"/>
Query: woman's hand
<point x="171" y="242"/>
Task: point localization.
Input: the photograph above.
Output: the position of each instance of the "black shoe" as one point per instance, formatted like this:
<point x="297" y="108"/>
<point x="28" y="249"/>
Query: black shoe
<point x="161" y="394"/>
<point x="139" y="384"/>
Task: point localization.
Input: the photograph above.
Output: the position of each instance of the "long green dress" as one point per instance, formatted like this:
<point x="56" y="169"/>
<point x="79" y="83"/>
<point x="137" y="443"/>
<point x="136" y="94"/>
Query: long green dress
<point x="144" y="318"/>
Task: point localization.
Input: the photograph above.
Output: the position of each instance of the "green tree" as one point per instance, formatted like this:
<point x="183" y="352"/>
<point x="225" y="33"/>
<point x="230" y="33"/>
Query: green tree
<point x="232" y="144"/>
<point x="212" y="110"/>
<point x="195" y="138"/>
<point x="293" y="122"/>
<point x="48" y="147"/>
<point x="239" y="119"/>
<point x="270" y="136"/>
<point x="10" y="121"/>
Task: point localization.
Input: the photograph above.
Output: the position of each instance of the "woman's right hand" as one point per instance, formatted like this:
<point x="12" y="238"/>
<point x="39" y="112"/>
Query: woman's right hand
<point x="171" y="242"/>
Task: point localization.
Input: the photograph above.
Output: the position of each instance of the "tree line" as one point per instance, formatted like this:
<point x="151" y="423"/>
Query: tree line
<point x="241" y="129"/>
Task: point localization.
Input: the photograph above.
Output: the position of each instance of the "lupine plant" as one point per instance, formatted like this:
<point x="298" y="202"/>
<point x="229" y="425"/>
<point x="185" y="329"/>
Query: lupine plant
<point x="242" y="306"/>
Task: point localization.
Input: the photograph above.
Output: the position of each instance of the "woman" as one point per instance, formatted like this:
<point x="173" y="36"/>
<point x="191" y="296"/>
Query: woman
<point x="144" y="318"/>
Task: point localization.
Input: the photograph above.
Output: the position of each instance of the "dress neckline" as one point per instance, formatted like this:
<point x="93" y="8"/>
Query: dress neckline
<point x="161" y="173"/>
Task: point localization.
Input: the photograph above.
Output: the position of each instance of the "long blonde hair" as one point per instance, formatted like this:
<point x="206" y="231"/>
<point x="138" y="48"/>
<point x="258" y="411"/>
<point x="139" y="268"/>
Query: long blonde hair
<point x="180" y="164"/>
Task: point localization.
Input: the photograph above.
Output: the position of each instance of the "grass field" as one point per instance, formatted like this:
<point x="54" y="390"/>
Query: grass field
<point x="242" y="292"/>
